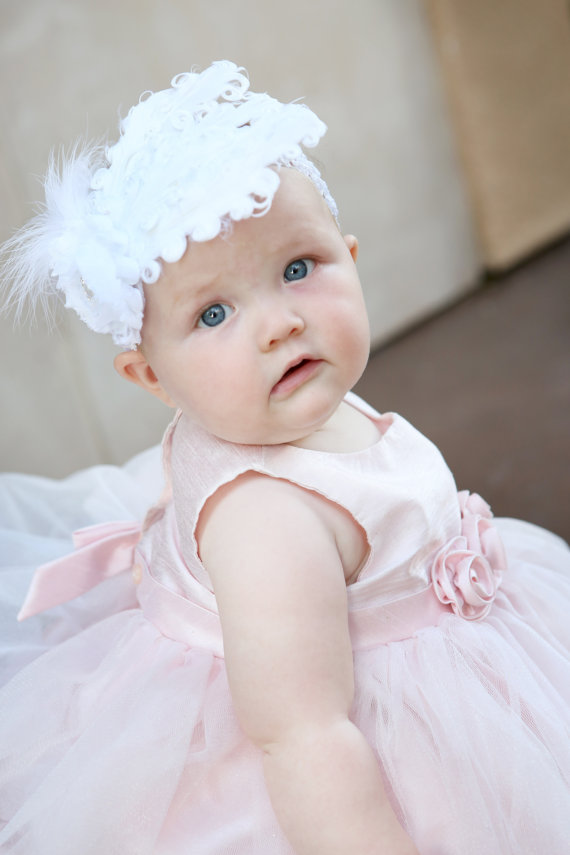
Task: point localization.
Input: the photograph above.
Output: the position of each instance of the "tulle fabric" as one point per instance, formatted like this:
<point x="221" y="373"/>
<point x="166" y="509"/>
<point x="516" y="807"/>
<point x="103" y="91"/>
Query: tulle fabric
<point x="489" y="774"/>
<point x="130" y="747"/>
<point x="117" y="739"/>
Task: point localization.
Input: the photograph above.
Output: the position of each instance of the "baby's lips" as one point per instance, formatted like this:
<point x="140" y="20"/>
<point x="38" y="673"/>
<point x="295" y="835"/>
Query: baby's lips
<point x="296" y="373"/>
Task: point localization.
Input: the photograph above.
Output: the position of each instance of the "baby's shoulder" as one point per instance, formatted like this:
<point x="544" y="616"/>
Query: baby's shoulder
<point x="274" y="513"/>
<point x="255" y="501"/>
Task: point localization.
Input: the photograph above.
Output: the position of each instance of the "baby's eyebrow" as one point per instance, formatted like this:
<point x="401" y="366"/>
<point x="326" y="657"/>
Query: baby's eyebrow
<point x="193" y="293"/>
<point x="312" y="234"/>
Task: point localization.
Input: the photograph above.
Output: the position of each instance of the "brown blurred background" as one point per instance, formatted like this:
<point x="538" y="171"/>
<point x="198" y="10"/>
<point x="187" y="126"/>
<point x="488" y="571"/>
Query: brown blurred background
<point x="488" y="381"/>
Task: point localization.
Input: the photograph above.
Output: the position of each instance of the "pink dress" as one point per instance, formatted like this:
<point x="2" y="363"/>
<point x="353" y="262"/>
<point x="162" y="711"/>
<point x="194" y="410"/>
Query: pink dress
<point x="121" y="737"/>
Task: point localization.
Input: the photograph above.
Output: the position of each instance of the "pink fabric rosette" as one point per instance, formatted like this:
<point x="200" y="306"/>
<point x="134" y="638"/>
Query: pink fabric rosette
<point x="466" y="572"/>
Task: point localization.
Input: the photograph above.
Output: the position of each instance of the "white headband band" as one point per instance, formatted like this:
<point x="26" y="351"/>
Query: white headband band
<point x="189" y="160"/>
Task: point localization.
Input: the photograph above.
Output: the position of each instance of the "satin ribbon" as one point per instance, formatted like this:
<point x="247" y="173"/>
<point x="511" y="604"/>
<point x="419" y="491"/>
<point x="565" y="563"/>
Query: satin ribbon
<point x="101" y="551"/>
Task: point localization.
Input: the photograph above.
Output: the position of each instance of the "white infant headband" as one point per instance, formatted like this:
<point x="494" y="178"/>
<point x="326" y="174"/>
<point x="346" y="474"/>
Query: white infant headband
<point x="189" y="160"/>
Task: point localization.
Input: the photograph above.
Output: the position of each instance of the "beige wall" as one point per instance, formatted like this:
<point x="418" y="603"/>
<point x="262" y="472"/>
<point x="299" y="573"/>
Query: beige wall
<point x="367" y="68"/>
<point x="507" y="72"/>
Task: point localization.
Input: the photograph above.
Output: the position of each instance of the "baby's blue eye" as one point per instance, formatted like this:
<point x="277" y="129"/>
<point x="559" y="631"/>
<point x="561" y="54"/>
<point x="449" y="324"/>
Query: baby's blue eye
<point x="298" y="269"/>
<point x="214" y="315"/>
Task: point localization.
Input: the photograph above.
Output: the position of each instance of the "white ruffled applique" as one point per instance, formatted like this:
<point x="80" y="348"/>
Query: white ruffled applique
<point x="189" y="160"/>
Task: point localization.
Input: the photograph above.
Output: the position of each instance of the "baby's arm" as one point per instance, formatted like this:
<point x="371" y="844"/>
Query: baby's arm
<point x="281" y="592"/>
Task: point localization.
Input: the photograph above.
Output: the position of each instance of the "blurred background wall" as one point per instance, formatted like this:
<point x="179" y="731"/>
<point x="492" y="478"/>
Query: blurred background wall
<point x="385" y="75"/>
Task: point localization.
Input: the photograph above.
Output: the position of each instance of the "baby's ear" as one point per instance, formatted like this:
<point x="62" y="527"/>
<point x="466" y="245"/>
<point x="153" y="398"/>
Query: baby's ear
<point x="132" y="365"/>
<point x="352" y="243"/>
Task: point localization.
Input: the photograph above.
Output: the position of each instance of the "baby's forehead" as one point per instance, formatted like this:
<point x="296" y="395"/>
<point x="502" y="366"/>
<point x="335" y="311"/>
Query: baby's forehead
<point x="297" y="207"/>
<point x="293" y="185"/>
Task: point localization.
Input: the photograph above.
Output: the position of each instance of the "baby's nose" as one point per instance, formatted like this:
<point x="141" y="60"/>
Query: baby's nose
<point x="277" y="324"/>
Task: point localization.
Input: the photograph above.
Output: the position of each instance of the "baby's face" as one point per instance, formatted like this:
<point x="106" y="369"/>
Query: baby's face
<point x="259" y="334"/>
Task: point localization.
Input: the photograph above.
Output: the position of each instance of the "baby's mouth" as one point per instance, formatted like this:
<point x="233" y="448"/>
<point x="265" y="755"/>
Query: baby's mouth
<point x="294" y="368"/>
<point x="295" y="376"/>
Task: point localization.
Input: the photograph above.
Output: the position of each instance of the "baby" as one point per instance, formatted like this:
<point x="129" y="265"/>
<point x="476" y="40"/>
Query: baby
<point x="325" y="654"/>
<point x="256" y="337"/>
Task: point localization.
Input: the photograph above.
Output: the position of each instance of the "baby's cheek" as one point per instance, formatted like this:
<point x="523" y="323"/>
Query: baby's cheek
<point x="355" y="345"/>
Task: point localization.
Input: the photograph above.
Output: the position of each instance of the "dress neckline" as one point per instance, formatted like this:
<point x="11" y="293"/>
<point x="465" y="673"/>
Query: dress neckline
<point x="388" y="420"/>
<point x="385" y="422"/>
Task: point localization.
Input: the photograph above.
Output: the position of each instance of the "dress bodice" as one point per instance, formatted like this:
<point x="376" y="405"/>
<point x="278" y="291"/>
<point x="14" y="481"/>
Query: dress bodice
<point x="399" y="490"/>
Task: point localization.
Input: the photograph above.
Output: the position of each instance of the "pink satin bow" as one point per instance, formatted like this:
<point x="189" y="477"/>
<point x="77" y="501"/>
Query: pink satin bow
<point x="466" y="572"/>
<point x="101" y="551"/>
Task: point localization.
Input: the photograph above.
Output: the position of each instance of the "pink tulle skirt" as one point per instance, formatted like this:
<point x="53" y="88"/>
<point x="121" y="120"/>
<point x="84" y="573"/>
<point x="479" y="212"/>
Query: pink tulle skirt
<point x="116" y="739"/>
